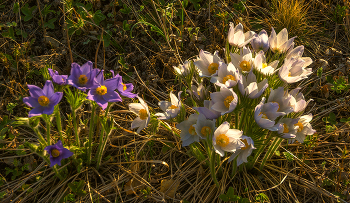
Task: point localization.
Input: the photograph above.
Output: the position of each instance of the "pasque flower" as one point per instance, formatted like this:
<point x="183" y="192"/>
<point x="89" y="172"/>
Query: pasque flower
<point x="266" y="114"/>
<point x="236" y="36"/>
<point x="289" y="127"/>
<point x="304" y="128"/>
<point x="207" y="63"/>
<point x="103" y="92"/>
<point x="242" y="61"/>
<point x="56" y="78"/>
<point x="183" y="69"/>
<point x="261" y="42"/>
<point x="141" y="109"/>
<point x="224" y="101"/>
<point x="207" y="111"/>
<point x="204" y="127"/>
<point x="124" y="88"/>
<point x="243" y="152"/>
<point x="82" y="77"/>
<point x="261" y="65"/>
<point x="188" y="132"/>
<point x="280" y="42"/>
<point x="248" y="86"/>
<point x="171" y="109"/>
<point x="199" y="92"/>
<point x="42" y="100"/>
<point x="228" y="76"/>
<point x="300" y="103"/>
<point x="293" y="70"/>
<point x="57" y="153"/>
<point x="226" y="139"/>
<point x="283" y="99"/>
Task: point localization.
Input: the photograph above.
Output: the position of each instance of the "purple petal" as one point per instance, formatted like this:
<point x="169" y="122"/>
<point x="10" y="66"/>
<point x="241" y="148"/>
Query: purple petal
<point x="86" y="68"/>
<point x="36" y="111"/>
<point x="99" y="79"/>
<point x="35" y="91"/>
<point x="66" y="153"/>
<point x="101" y="101"/>
<point x="112" y="96"/>
<point x="112" y="83"/>
<point x="128" y="94"/>
<point x="55" y="160"/>
<point x="75" y="70"/>
<point x="48" y="89"/>
<point x="59" y="144"/>
<point x="55" y="98"/>
<point x="31" y="102"/>
<point x="48" y="110"/>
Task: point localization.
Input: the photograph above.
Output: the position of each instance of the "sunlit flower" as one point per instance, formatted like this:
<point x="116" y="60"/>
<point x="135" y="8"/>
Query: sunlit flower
<point x="103" y="92"/>
<point x="280" y="42"/>
<point x="56" y="78"/>
<point x="224" y="101"/>
<point x="204" y="127"/>
<point x="289" y="128"/>
<point x="188" y="131"/>
<point x="226" y="139"/>
<point x="293" y="70"/>
<point x="261" y="65"/>
<point x="242" y="61"/>
<point x="248" y="86"/>
<point x="266" y="114"/>
<point x="124" y="88"/>
<point x="228" y="76"/>
<point x="283" y="99"/>
<point x="297" y="53"/>
<point x="207" y="63"/>
<point x="261" y="42"/>
<point x="300" y="103"/>
<point x="304" y="128"/>
<point x="82" y="77"/>
<point x="243" y="152"/>
<point x="42" y="100"/>
<point x="183" y="69"/>
<point x="57" y="153"/>
<point x="237" y="37"/>
<point x="199" y="92"/>
<point x="171" y="109"/>
<point x="207" y="111"/>
<point x="141" y="109"/>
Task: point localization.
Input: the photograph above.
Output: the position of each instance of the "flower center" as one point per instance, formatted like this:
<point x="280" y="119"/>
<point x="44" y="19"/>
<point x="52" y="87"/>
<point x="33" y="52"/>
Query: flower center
<point x="55" y="153"/>
<point x="263" y="115"/>
<point x="206" y="131"/>
<point x="278" y="105"/>
<point x="222" y="140"/>
<point x="228" y="77"/>
<point x="143" y="114"/>
<point x="192" y="130"/>
<point x="285" y="128"/>
<point x="124" y="87"/>
<point x="301" y="127"/>
<point x="82" y="79"/>
<point x="102" y="90"/>
<point x="228" y="101"/>
<point x="264" y="65"/>
<point x="43" y="101"/>
<point x="213" y="67"/>
<point x="245" y="65"/>
<point x="172" y="107"/>
<point x="246" y="145"/>
<point x="289" y="74"/>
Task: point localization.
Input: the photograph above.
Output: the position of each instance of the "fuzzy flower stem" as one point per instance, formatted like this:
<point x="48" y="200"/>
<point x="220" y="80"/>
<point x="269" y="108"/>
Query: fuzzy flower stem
<point x="75" y="128"/>
<point x="58" y="122"/>
<point x="91" y="131"/>
<point x="58" y="174"/>
<point x="48" y="135"/>
<point x="41" y="138"/>
<point x="103" y="142"/>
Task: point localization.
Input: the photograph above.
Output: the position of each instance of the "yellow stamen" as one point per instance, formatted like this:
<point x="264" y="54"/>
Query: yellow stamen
<point x="246" y="145"/>
<point x="278" y="105"/>
<point x="206" y="131"/>
<point x="102" y="90"/>
<point x="82" y="79"/>
<point x="264" y="65"/>
<point x="124" y="87"/>
<point x="222" y="140"/>
<point x="228" y="101"/>
<point x="289" y="74"/>
<point x="285" y="128"/>
<point x="55" y="153"/>
<point x="263" y="115"/>
<point x="213" y="67"/>
<point x="43" y="101"/>
<point x="228" y="77"/>
<point x="172" y="107"/>
<point x="192" y="130"/>
<point x="301" y="127"/>
<point x="245" y="65"/>
<point x="143" y="114"/>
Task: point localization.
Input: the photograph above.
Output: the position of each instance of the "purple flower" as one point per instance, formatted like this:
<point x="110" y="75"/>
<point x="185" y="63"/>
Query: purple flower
<point x="103" y="92"/>
<point x="57" y="153"/>
<point x="124" y="89"/>
<point x="58" y="79"/>
<point x="42" y="100"/>
<point x="82" y="77"/>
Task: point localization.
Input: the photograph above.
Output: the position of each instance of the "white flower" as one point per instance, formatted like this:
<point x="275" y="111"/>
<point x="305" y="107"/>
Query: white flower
<point x="261" y="42"/>
<point x="283" y="99"/>
<point x="207" y="111"/>
<point x="280" y="43"/>
<point x="289" y="128"/>
<point x="171" y="109"/>
<point x="141" y="109"/>
<point x="188" y="131"/>
<point x="248" y="86"/>
<point x="224" y="101"/>
<point x="243" y="152"/>
<point x="300" y="103"/>
<point x="236" y="36"/>
<point x="242" y="61"/>
<point x="228" y="76"/>
<point x="204" y="127"/>
<point x="207" y="63"/>
<point x="199" y="92"/>
<point x="266" y="114"/>
<point x="304" y="128"/>
<point x="293" y="70"/>
<point x="261" y="65"/>
<point x="226" y="139"/>
<point x="184" y="69"/>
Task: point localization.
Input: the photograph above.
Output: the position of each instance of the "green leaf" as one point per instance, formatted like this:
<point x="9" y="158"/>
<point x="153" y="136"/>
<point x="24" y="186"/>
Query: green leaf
<point x="125" y="9"/>
<point x="98" y="17"/>
<point x="50" y="23"/>
<point x="230" y="192"/>
<point x="16" y="7"/>
<point x="288" y="156"/>
<point x="224" y="198"/>
<point x="9" y="33"/>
